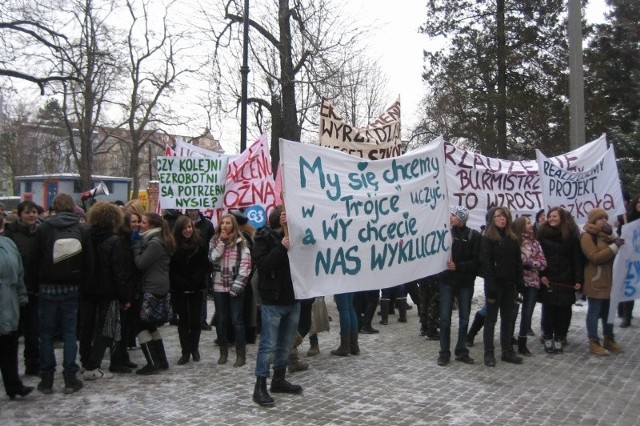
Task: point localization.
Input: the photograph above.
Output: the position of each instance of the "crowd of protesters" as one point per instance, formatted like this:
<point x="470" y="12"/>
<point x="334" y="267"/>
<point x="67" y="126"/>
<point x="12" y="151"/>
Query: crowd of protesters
<point x="107" y="281"/>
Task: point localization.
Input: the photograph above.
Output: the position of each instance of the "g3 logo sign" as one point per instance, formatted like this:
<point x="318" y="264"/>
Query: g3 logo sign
<point x="257" y="216"/>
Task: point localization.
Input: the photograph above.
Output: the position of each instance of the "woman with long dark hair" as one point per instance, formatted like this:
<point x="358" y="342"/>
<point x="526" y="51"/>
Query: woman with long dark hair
<point x="559" y="237"/>
<point x="129" y="316"/>
<point x="501" y="265"/>
<point x="152" y="251"/>
<point x="533" y="261"/>
<point x="187" y="271"/>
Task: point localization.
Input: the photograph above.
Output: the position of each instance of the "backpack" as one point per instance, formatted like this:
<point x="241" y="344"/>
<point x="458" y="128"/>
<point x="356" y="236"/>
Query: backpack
<point x="66" y="254"/>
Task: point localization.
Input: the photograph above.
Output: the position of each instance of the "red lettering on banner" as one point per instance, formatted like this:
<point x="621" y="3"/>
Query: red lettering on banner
<point x="251" y="193"/>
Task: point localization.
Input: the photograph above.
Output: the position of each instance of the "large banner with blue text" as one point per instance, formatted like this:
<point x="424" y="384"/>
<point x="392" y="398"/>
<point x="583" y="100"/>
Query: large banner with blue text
<point x="626" y="269"/>
<point x="597" y="185"/>
<point x="356" y="224"/>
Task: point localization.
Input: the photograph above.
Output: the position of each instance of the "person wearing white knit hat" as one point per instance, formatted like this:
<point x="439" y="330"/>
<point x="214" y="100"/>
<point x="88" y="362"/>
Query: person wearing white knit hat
<point x="458" y="281"/>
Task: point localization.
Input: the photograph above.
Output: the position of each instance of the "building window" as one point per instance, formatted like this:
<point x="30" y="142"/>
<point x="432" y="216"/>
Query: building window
<point x="77" y="187"/>
<point x="28" y="186"/>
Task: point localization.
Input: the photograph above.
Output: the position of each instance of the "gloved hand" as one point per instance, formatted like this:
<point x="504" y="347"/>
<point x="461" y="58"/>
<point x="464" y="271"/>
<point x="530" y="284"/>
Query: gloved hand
<point x="607" y="229"/>
<point x="235" y="289"/>
<point x="618" y="241"/>
<point x="527" y="265"/>
<point x="135" y="236"/>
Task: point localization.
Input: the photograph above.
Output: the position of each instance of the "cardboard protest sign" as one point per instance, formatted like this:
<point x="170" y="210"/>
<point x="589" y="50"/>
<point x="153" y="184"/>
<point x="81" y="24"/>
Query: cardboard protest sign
<point x="480" y="183"/>
<point x="626" y="269"/>
<point x="250" y="183"/>
<point x="359" y="225"/>
<point x="249" y="180"/>
<point x="380" y="139"/>
<point x="191" y="182"/>
<point x="596" y="185"/>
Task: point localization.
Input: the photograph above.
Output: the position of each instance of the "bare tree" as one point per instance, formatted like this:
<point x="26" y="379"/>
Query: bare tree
<point x="157" y="59"/>
<point x="17" y="36"/>
<point x="295" y="46"/>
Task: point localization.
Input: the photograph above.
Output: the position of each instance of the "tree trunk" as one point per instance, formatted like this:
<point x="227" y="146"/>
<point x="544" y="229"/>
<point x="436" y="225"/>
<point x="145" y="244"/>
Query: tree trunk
<point x="501" y="107"/>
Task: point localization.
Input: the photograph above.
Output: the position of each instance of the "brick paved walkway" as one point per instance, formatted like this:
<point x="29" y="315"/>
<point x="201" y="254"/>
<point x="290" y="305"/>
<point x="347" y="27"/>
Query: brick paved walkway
<point x="395" y="381"/>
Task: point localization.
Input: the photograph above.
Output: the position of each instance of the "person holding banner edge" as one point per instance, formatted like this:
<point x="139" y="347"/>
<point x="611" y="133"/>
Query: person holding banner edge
<point x="279" y="309"/>
<point x="600" y="245"/>
<point x="458" y="281"/>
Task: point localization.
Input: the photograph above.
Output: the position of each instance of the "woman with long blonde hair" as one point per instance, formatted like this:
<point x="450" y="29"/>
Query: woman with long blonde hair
<point x="231" y="258"/>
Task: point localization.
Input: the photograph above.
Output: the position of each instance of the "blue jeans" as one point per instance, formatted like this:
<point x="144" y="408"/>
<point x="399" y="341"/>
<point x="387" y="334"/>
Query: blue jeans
<point x="50" y="308"/>
<point x="279" y="326"/>
<point x="598" y="309"/>
<point x="464" y="295"/>
<point x="230" y="308"/>
<point x="529" y="298"/>
<point x="347" y="313"/>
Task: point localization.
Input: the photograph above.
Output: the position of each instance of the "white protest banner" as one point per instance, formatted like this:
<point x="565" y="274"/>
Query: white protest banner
<point x="380" y="139"/>
<point x="191" y="182"/>
<point x="359" y="225"/>
<point x="626" y="269"/>
<point x="183" y="149"/>
<point x="250" y="183"/>
<point x="597" y="185"/>
<point x="479" y="182"/>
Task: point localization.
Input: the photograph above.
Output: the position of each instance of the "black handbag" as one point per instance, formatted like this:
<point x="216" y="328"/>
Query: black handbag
<point x="155" y="310"/>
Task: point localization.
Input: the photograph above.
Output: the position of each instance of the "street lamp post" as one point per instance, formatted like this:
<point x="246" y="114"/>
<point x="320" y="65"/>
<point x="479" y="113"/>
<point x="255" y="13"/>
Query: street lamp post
<point x="576" y="76"/>
<point x="244" y="70"/>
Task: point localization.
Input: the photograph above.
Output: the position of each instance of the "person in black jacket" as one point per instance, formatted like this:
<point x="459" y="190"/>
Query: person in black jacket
<point x="101" y="300"/>
<point x="458" y="281"/>
<point x="23" y="231"/>
<point x="60" y="277"/>
<point x="187" y="274"/>
<point x="279" y="309"/>
<point x="501" y="265"/>
<point x="559" y="237"/>
<point x="120" y="360"/>
<point x="206" y="230"/>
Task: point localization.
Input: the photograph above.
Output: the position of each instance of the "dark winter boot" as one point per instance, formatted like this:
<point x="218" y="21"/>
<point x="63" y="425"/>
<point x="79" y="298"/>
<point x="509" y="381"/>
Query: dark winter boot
<point x="354" y="348"/>
<point x="46" y="383"/>
<point x="345" y="346"/>
<point x="224" y="354"/>
<point x="184" y="358"/>
<point x="369" y="312"/>
<point x="511" y="357"/>
<point x="401" y="303"/>
<point x="162" y="356"/>
<point x="476" y="325"/>
<point x="280" y="385"/>
<point x="185" y="346"/>
<point x="241" y="357"/>
<point x="149" y="352"/>
<point x="195" y="345"/>
<point x="384" y="311"/>
<point x="261" y="395"/>
<point x="71" y="383"/>
<point x="522" y="346"/>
